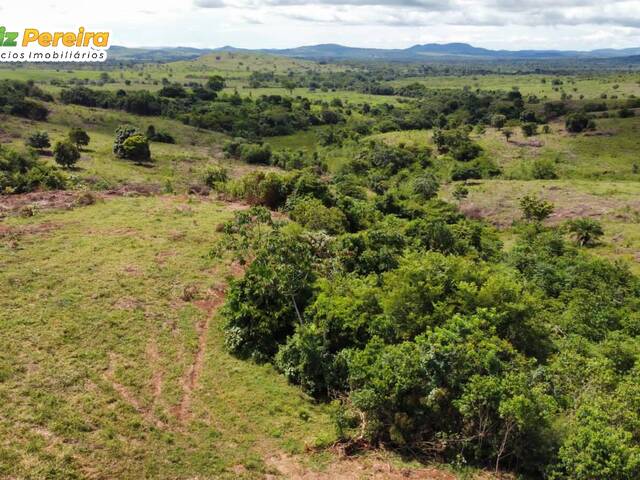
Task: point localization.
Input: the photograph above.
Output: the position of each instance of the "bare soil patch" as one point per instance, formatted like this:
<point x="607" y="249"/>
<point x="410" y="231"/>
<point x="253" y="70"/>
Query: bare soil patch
<point x="501" y="207"/>
<point x="352" y="469"/>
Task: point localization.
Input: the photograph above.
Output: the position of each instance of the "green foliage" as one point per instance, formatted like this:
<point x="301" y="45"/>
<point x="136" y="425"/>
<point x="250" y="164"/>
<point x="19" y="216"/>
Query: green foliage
<point x="161" y="137"/>
<point x="131" y="145"/>
<point x="498" y="121"/>
<point x="215" y="83"/>
<point x="14" y="100"/>
<point x="535" y="209"/>
<point x="264" y="306"/>
<point x="215" y="176"/>
<point x="136" y="148"/>
<point x="312" y="214"/>
<point x="66" y="154"/>
<point x="529" y="129"/>
<point x="460" y="192"/>
<point x="79" y="137"/>
<point x="22" y="173"/>
<point x="39" y="140"/>
<point x="122" y="133"/>
<point x="253" y="153"/>
<point x="544" y="169"/>
<point x="426" y="186"/>
<point x="579" y="122"/>
<point x="586" y="231"/>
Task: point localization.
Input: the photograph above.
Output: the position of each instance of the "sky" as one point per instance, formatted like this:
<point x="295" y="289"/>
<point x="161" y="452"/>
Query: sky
<point x="496" y="24"/>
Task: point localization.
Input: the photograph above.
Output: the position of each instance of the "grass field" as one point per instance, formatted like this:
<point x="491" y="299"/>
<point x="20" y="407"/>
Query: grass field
<point x="591" y="86"/>
<point x="174" y="166"/>
<point x="112" y="363"/>
<point x="614" y="203"/>
<point x="110" y="366"/>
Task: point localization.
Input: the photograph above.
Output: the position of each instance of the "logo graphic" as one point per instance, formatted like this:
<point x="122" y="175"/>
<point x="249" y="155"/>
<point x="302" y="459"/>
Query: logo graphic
<point x="33" y="45"/>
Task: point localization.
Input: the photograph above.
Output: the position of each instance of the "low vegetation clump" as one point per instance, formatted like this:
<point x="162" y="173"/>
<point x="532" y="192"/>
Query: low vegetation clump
<point x="38" y="140"/>
<point x="16" y="99"/>
<point x="131" y="145"/>
<point x="23" y="172"/>
<point x="586" y="231"/>
<point x="79" y="137"/>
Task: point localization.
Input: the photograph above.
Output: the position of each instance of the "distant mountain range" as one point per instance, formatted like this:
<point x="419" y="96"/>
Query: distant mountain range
<point x="433" y="51"/>
<point x="427" y="52"/>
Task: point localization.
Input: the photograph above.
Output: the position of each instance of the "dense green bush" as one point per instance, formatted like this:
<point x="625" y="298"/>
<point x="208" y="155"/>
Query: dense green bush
<point x="431" y="337"/>
<point x="579" y="122"/>
<point x="21" y="173"/>
<point x="38" y="140"/>
<point x="586" y="231"/>
<point x="544" y="170"/>
<point x="131" y="145"/>
<point x="66" y="154"/>
<point x="79" y="137"/>
<point x="312" y="214"/>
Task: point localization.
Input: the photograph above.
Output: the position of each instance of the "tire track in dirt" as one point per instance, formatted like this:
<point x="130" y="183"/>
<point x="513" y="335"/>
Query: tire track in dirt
<point x="158" y="374"/>
<point x="192" y="375"/>
<point x="128" y="397"/>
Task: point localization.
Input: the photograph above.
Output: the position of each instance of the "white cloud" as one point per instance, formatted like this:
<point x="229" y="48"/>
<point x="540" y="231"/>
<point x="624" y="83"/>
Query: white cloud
<point x="511" y="24"/>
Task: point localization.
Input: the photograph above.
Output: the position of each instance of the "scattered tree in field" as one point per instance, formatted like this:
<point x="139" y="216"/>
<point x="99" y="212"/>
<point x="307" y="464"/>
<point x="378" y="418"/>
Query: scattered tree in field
<point x="585" y="231"/>
<point x="529" y="129"/>
<point x="122" y="133"/>
<point x="498" y="121"/>
<point x="39" y="140"/>
<point x="289" y="86"/>
<point x="215" y="83"/>
<point x="66" y="153"/>
<point x="136" y="148"/>
<point x="161" y="137"/>
<point x="79" y="137"/>
<point x="460" y="192"/>
<point x="579" y="122"/>
<point x="535" y="209"/>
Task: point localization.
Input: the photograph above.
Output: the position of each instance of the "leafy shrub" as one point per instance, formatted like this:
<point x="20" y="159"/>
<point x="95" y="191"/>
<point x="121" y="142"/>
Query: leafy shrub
<point x="579" y="122"/>
<point x="426" y="186"/>
<point x="529" y="129"/>
<point x="160" y="137"/>
<point x="39" y="140"/>
<point x="215" y="176"/>
<point x="79" y="137"/>
<point x="263" y="307"/>
<point x="122" y="133"/>
<point x="260" y="188"/>
<point x="466" y="172"/>
<point x="22" y="173"/>
<point x="535" y="209"/>
<point x="254" y="153"/>
<point x="544" y="170"/>
<point x="66" y="154"/>
<point x="312" y="214"/>
<point x="585" y="231"/>
<point x="136" y="148"/>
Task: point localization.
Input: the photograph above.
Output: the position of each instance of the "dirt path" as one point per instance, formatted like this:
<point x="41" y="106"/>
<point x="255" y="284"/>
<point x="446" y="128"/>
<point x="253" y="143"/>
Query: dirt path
<point x="157" y="379"/>
<point x="192" y="375"/>
<point x="127" y="396"/>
